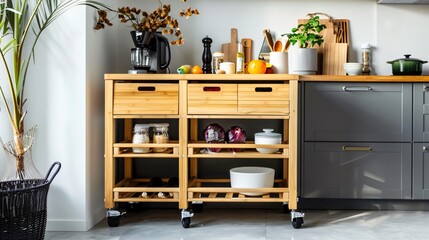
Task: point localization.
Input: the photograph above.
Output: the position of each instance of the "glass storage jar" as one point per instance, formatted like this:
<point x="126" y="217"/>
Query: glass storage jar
<point x="141" y="135"/>
<point x="160" y="135"/>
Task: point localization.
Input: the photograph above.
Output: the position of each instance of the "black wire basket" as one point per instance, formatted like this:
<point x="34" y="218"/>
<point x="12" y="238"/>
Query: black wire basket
<point x="23" y="207"/>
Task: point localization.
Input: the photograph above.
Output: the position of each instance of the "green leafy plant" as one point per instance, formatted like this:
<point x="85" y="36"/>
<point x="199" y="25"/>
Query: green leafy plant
<point x="21" y="24"/>
<point x="307" y="34"/>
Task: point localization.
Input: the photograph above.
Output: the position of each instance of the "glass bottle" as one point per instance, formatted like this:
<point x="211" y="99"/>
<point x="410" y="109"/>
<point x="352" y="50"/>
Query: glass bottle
<point x="366" y="58"/>
<point x="160" y="135"/>
<point x="240" y="60"/>
<point x="141" y="135"/>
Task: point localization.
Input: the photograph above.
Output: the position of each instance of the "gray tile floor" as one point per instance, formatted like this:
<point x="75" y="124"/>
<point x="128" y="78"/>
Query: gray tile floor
<point x="258" y="224"/>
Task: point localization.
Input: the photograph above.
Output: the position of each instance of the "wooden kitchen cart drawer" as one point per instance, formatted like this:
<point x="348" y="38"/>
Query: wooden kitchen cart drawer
<point x="238" y="99"/>
<point x="145" y="98"/>
<point x="263" y="98"/>
<point x="212" y="98"/>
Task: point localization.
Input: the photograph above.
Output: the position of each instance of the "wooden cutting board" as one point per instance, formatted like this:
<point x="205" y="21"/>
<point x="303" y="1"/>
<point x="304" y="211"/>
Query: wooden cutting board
<point x="334" y="57"/>
<point x="230" y="49"/>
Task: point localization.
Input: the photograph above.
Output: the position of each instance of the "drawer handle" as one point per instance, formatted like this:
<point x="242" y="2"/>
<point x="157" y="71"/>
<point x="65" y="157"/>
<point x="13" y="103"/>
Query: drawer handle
<point x="263" y="89"/>
<point x="146" y="89"/>
<point x="425" y="148"/>
<point x="357" y="89"/>
<point x="211" y="89"/>
<point x="356" y="148"/>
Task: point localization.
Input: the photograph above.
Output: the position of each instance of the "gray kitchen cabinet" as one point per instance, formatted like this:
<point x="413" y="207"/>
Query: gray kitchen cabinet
<point x="356" y="170"/>
<point x="421" y="171"/>
<point x="343" y="111"/>
<point x="356" y="140"/>
<point x="421" y="112"/>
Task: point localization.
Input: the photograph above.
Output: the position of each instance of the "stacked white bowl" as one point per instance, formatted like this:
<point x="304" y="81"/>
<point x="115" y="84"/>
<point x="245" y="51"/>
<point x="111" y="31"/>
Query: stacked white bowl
<point x="353" y="68"/>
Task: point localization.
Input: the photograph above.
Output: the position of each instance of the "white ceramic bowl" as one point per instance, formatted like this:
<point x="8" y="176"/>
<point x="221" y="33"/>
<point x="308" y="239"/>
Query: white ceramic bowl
<point x="252" y="177"/>
<point x="353" y="68"/>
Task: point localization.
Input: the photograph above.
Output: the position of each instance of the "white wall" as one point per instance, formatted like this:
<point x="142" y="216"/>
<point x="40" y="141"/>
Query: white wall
<point x="66" y="86"/>
<point x="393" y="30"/>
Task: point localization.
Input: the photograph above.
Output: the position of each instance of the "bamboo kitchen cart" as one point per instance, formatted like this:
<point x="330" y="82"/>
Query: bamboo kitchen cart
<point x="187" y="99"/>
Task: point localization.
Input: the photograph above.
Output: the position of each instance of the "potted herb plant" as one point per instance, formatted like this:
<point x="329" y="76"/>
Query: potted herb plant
<point x="303" y="59"/>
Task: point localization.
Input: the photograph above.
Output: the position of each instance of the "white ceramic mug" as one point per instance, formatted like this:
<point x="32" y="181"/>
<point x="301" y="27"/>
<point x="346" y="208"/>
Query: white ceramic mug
<point x="228" y="67"/>
<point x="279" y="60"/>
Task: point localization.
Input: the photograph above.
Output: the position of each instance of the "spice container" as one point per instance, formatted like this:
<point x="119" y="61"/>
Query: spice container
<point x="141" y="135"/>
<point x="217" y="60"/>
<point x="160" y="135"/>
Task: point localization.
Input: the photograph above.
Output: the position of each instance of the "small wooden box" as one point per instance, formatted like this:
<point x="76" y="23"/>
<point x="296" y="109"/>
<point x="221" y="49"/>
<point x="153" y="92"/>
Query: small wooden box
<point x="263" y="98"/>
<point x="146" y="98"/>
<point x="212" y="98"/>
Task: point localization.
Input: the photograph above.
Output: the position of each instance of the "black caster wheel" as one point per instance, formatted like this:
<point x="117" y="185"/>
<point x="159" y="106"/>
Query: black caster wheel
<point x="297" y="222"/>
<point x="197" y="207"/>
<point x="186" y="222"/>
<point x="113" y="221"/>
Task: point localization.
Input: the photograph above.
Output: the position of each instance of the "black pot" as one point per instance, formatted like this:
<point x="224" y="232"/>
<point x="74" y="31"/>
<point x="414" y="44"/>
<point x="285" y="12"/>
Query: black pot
<point x="407" y="66"/>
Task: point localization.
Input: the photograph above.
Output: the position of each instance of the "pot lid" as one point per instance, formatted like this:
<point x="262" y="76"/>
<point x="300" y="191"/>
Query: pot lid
<point x="268" y="133"/>
<point x="407" y="58"/>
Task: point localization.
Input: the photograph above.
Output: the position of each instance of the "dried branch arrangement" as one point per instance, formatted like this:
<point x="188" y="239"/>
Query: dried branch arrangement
<point x="159" y="19"/>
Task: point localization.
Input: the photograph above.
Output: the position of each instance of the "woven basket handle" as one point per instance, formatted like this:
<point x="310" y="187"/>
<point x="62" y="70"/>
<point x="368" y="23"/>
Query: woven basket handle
<point x="51" y="175"/>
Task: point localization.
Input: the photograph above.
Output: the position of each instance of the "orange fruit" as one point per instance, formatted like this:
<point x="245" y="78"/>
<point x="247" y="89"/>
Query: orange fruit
<point x="257" y="67"/>
<point x="196" y="70"/>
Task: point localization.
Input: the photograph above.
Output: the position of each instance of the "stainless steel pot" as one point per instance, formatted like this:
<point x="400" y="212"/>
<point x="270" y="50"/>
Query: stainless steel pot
<point x="407" y="66"/>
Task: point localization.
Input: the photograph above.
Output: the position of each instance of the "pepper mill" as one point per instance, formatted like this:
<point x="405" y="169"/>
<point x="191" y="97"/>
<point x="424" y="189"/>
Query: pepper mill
<point x="207" y="55"/>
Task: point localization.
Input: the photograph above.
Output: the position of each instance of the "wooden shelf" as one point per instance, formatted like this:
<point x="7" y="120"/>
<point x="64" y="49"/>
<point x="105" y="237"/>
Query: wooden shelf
<point x="125" y="150"/>
<point x="225" y="194"/>
<point x="142" y="116"/>
<point x="247" y="150"/>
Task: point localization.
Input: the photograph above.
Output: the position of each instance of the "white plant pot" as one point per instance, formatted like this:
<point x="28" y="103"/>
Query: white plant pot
<point x="303" y="61"/>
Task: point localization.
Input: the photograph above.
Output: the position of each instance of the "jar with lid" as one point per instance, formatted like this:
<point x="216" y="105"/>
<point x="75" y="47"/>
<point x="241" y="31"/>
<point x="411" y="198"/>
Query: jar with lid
<point x="141" y="135"/>
<point x="160" y="135"/>
<point x="217" y="60"/>
<point x="268" y="137"/>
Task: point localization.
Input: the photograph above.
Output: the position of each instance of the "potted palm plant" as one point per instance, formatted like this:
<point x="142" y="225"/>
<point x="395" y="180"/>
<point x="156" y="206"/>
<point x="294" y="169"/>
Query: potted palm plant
<point x="303" y="59"/>
<point x="22" y="22"/>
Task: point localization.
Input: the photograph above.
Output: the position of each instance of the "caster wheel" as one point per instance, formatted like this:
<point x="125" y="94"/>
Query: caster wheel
<point x="297" y="222"/>
<point x="197" y="207"/>
<point x="113" y="221"/>
<point x="186" y="222"/>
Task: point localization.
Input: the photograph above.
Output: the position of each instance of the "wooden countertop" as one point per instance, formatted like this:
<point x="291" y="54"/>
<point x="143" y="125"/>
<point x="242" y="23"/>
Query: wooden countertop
<point x="239" y="77"/>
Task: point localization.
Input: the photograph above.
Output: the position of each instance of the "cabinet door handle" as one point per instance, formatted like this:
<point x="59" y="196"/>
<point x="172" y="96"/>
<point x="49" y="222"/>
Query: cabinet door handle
<point x="357" y="148"/>
<point x="146" y="89"/>
<point x="426" y="88"/>
<point x="425" y="148"/>
<point x="211" y="89"/>
<point x="263" y="89"/>
<point x="357" y="89"/>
